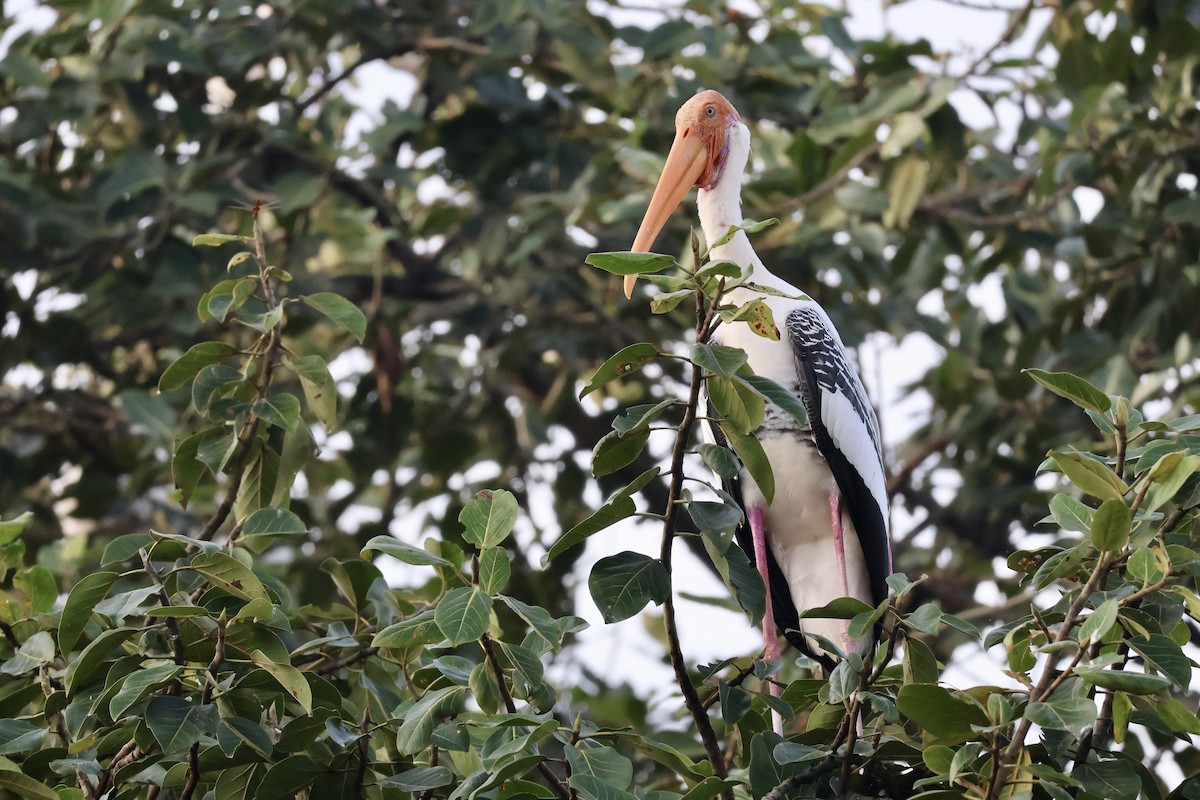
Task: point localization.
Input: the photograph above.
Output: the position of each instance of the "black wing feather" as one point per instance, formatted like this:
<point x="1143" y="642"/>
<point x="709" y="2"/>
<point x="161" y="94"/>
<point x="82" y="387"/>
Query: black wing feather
<point x="823" y="366"/>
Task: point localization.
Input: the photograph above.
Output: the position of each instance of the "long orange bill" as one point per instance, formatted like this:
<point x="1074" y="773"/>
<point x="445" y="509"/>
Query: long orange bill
<point x="685" y="164"/>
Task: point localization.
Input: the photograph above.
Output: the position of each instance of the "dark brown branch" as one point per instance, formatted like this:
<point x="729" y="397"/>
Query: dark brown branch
<point x="900" y="478"/>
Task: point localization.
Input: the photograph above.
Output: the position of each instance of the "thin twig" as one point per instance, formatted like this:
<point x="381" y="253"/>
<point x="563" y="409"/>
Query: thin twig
<point x="935" y="445"/>
<point x="1005" y="38"/>
<point x="796" y="781"/>
<point x="246" y="439"/>
<point x="683" y="434"/>
<point x="737" y="680"/>
<point x="489" y="655"/>
<point x="1048" y="679"/>
<point x="165" y="600"/>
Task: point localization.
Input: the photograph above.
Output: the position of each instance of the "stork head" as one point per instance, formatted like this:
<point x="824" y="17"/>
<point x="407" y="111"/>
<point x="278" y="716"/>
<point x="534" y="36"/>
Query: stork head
<point x="697" y="158"/>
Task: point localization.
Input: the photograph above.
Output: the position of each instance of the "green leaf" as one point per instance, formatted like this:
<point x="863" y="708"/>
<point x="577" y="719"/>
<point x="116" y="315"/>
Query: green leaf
<point x="589" y="787"/>
<point x="750" y="451"/>
<point x="1120" y="680"/>
<point x="1144" y="566"/>
<point x="291" y="679"/>
<point x="77" y="611"/>
<point x="228" y="573"/>
<point x="618" y="508"/>
<point x="667" y="301"/>
<point x="1070" y="514"/>
<point x="402" y="551"/>
<point x="483" y="686"/>
<point x="494" y="570"/>
<point x="186" y="468"/>
<point x="938" y="758"/>
<point x="273" y="522"/>
<point x="747" y="225"/>
<point x="136" y="686"/>
<point x="710" y="788"/>
<point x="1090" y="475"/>
<point x="778" y="395"/>
<point x="740" y="576"/>
<point x="340" y="311"/>
<point x="280" y="409"/>
<point x="905" y="189"/>
<point x="284" y="780"/>
<point x="1162" y="654"/>
<point x="939" y="712"/>
<point x="1111" y="780"/>
<point x="216" y="239"/>
<point x="718" y="359"/>
<point x="1073" y="388"/>
<point x="319" y="389"/>
<point x="715" y="519"/>
<point x="188" y="365"/>
<point x="419" y="779"/>
<point x="19" y="736"/>
<point x="740" y="406"/>
<point x="1110" y="525"/>
<point x="24" y="787"/>
<point x="920" y="664"/>
<point x="626" y="360"/>
<point x="11" y="529"/>
<point x="1071" y="714"/>
<point x="33" y="653"/>
<point x="1178" y="717"/>
<point x="1099" y="622"/>
<point x="221" y="304"/>
<point x="95" y="658"/>
<point x="177" y="724"/>
<point x="416" y="630"/>
<point x="237" y="259"/>
<point x="624" y="263"/>
<point x="463" y="614"/>
<point x="415" y="733"/>
<point x="621" y="585"/>
<point x="541" y="624"/>
<point x="843" y="608"/>
<point x="240" y="782"/>
<point x="720" y="460"/>
<point x="615" y="452"/>
<point x="489" y="518"/>
<point x="1169" y="479"/>
<point x="636" y="417"/>
<point x="603" y="763"/>
<point x="757" y="315"/>
<point x="236" y="732"/>
<point x="38" y="586"/>
<point x="214" y="381"/>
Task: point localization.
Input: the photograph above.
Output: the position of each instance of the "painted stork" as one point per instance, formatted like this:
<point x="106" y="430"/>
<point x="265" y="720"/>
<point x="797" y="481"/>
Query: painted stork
<point x="826" y="533"/>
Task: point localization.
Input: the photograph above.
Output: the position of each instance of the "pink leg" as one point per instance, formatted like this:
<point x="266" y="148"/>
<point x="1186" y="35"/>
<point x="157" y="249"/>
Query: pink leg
<point x="839" y="544"/>
<point x="835" y="516"/>
<point x="770" y="633"/>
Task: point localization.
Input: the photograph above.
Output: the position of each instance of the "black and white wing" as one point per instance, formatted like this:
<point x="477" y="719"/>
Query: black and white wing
<point x="846" y="433"/>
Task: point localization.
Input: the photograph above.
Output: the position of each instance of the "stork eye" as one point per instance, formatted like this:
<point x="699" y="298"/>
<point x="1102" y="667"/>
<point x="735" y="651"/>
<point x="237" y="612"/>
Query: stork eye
<point x="710" y="111"/>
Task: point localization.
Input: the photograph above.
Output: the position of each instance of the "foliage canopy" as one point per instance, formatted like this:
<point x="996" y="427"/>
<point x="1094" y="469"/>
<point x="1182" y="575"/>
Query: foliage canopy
<point x="185" y="600"/>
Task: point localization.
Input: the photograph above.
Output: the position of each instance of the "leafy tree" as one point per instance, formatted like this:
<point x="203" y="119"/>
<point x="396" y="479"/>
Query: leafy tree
<point x="136" y="432"/>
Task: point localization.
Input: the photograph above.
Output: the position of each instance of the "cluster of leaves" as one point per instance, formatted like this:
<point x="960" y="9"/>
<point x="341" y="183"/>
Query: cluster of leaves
<point x="187" y="665"/>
